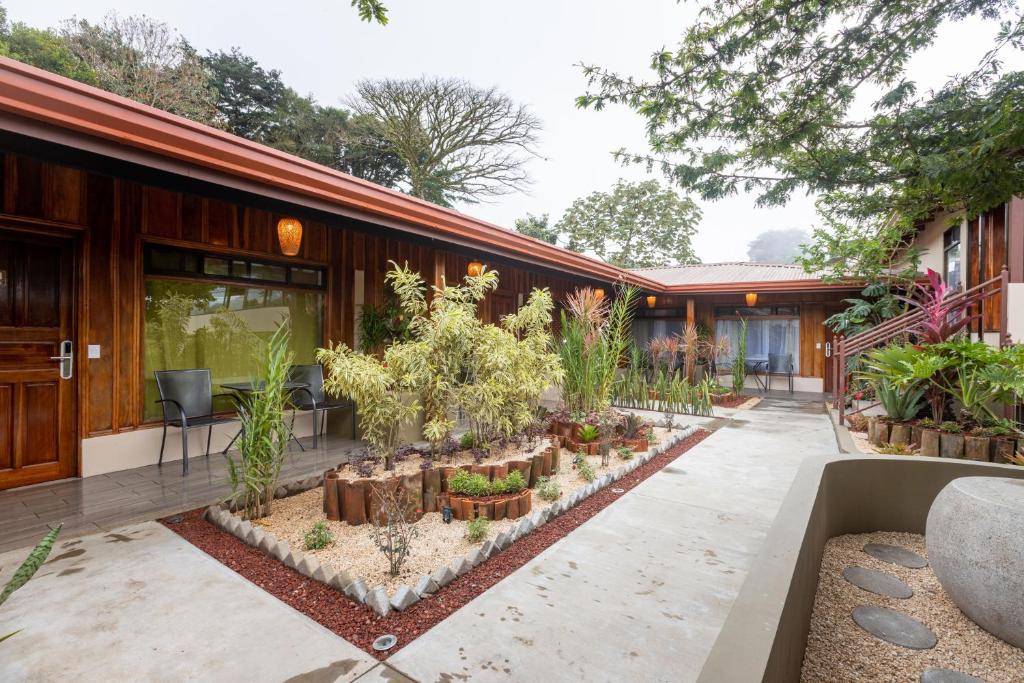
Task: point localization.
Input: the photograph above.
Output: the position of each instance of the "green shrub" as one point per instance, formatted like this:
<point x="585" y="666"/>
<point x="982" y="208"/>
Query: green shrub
<point x="514" y="482"/>
<point x="927" y="423"/>
<point x="498" y="486"/>
<point x="476" y="529"/>
<point x="896" y="449"/>
<point x="584" y="468"/>
<point x="469" y="484"/>
<point x="548" y="489"/>
<point x="951" y="427"/>
<point x="626" y="453"/>
<point x="467" y="441"/>
<point x="589" y="433"/>
<point x="318" y="537"/>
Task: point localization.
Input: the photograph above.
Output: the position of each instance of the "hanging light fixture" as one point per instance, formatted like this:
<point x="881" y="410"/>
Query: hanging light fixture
<point x="651" y="301"/>
<point x="474" y="268"/>
<point x="289" y="235"/>
<point x="598" y="293"/>
<point x="751" y="299"/>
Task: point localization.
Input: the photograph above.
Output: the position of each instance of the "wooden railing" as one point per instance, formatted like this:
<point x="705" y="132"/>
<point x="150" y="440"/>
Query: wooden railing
<point x="903" y="325"/>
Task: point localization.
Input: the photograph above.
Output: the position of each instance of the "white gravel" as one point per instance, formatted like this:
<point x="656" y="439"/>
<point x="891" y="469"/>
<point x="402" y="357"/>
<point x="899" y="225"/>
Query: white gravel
<point x="839" y="650"/>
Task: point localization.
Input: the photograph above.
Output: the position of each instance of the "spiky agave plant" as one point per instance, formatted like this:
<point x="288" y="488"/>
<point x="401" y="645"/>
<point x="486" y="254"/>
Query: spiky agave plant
<point x="28" y="568"/>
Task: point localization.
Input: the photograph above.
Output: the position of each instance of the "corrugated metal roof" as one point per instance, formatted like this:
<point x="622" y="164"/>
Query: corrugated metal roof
<point x="720" y="273"/>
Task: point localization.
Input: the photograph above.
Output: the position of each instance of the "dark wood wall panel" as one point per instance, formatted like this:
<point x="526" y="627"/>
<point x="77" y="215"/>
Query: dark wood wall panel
<point x="6" y="426"/>
<point x="117" y="216"/>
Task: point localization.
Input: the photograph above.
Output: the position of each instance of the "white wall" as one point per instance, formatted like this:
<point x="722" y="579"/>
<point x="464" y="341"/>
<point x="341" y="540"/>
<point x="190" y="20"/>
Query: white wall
<point x="929" y="241"/>
<point x="1015" y="312"/>
<point x="127" y="450"/>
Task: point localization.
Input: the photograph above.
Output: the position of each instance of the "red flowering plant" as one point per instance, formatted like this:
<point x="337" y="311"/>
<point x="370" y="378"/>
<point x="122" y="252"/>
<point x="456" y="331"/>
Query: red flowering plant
<point x="944" y="316"/>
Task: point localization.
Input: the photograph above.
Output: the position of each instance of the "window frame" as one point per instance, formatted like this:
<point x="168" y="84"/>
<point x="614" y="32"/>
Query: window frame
<point x="950" y="243"/>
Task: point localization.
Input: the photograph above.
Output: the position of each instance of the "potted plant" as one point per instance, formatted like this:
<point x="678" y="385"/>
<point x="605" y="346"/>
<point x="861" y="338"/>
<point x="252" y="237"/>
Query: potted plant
<point x="917" y="428"/>
<point x="1003" y="441"/>
<point x="930" y="438"/>
<point x="634" y="433"/>
<point x="951" y="441"/>
<point x="589" y="435"/>
<point x="976" y="444"/>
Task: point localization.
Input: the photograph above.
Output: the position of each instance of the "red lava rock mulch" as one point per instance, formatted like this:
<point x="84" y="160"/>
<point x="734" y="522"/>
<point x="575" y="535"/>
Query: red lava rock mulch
<point x="730" y="402"/>
<point x="357" y="623"/>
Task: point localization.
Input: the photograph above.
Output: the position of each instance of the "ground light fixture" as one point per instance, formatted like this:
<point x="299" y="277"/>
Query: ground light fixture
<point x="384" y="643"/>
<point x="651" y="301"/>
<point x="474" y="268"/>
<point x="751" y="298"/>
<point x="446" y="514"/>
<point x="289" y="235"/>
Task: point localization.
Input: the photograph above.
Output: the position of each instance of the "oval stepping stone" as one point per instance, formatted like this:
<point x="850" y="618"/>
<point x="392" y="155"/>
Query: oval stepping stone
<point x="877" y="582"/>
<point x="947" y="676"/>
<point x="893" y="554"/>
<point x="894" y="627"/>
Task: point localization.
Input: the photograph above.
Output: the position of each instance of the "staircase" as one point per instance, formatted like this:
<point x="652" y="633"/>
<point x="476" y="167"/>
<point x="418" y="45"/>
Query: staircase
<point x="901" y="328"/>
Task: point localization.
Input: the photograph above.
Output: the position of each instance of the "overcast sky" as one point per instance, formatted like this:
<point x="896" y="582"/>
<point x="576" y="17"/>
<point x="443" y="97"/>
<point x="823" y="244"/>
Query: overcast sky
<point x="528" y="48"/>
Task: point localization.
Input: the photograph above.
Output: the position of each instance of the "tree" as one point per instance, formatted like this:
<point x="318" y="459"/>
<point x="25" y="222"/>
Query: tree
<point x="147" y="61"/>
<point x="249" y="97"/>
<point x="371" y="11"/>
<point x="458" y="143"/>
<point x="537" y="227"/>
<point x="761" y="97"/>
<point x="636" y="225"/>
<point x="42" y="48"/>
<point x="777" y="246"/>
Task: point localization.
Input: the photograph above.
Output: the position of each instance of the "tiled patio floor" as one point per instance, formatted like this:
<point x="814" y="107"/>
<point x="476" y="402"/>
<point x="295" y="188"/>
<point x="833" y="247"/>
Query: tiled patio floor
<point x="106" y="501"/>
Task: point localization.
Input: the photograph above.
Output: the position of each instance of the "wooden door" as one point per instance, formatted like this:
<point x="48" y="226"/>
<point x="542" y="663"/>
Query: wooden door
<point x="38" y="431"/>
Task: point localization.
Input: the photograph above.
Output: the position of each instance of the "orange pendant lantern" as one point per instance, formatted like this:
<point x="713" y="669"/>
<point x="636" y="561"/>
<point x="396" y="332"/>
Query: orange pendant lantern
<point x="474" y="268"/>
<point x="651" y="301"/>
<point x="751" y="299"/>
<point x="289" y="235"/>
<point x="598" y="293"/>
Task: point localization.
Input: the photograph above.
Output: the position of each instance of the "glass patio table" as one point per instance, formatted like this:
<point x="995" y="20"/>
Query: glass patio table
<point x="253" y="387"/>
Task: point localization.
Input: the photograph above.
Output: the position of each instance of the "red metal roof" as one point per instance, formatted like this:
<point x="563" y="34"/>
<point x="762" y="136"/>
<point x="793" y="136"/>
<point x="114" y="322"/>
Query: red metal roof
<point x="83" y="110"/>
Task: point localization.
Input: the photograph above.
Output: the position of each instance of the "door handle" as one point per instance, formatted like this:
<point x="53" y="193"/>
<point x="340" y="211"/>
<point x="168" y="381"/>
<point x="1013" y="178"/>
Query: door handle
<point x="66" y="358"/>
<point x="828" y="349"/>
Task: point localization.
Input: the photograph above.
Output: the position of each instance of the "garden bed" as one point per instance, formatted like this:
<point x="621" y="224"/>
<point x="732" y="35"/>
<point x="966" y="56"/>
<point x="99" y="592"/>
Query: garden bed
<point x="357" y="623"/>
<point x="839" y="650"/>
<point x="436" y="544"/>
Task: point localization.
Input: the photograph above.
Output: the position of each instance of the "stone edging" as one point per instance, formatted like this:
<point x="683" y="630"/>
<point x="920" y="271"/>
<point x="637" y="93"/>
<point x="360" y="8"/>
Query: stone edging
<point x="405" y="596"/>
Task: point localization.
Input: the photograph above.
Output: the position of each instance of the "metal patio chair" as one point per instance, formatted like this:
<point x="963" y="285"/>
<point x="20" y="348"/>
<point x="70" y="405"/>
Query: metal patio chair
<point x="313" y="398"/>
<point x="780" y="364"/>
<point x="186" y="397"/>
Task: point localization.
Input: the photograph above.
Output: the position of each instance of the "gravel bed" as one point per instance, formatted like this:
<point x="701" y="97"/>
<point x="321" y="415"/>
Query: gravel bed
<point x="357" y="623"/>
<point x="839" y="650"/>
<point x="435" y="545"/>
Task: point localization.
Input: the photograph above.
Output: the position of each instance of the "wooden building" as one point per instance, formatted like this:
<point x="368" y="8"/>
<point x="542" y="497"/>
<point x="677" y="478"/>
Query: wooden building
<point x="132" y="240"/>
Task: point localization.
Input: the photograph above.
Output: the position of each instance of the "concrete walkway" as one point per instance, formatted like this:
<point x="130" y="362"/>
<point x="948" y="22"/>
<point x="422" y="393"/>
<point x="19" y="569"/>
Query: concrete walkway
<point x="640" y="591"/>
<point x="143" y="604"/>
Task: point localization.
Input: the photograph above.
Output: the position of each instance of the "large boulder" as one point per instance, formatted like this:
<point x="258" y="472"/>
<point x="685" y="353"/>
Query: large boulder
<point x="975" y="543"/>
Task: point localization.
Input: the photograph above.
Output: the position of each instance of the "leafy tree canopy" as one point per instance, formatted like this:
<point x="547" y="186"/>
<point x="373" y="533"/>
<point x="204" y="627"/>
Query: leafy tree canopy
<point x="537" y="227"/>
<point x="42" y="48"/>
<point x="144" y="60"/>
<point x="768" y="97"/>
<point x="636" y="225"/>
<point x="777" y="246"/>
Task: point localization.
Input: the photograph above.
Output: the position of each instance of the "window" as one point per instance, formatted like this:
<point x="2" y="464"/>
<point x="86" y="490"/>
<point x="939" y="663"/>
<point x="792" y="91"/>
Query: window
<point x="194" y="322"/>
<point x="951" y="272"/>
<point x="770" y="330"/>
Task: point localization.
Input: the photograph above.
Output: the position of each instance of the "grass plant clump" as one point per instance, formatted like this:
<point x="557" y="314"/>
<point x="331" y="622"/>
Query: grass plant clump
<point x="477" y="529"/>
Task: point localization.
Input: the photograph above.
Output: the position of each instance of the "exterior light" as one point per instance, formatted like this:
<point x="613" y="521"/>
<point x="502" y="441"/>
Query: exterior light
<point x="289" y="235"/>
<point x="474" y="268"/>
<point x="651" y="301"/>
<point x="598" y="293"/>
<point x="751" y="299"/>
<point x="446" y="514"/>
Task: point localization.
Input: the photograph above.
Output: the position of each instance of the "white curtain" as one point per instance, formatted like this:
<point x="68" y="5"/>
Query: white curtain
<point x="764" y="336"/>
